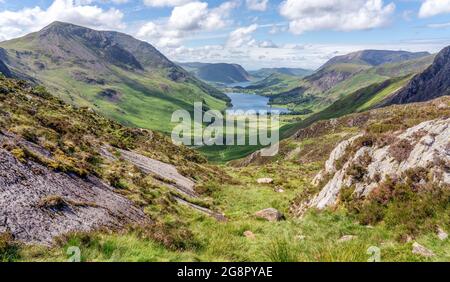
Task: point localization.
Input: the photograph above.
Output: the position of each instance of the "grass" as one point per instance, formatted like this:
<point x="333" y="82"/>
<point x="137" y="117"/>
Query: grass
<point x="315" y="237"/>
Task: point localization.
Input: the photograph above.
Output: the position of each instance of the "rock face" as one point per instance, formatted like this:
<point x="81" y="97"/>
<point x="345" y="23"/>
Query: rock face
<point x="37" y="204"/>
<point x="432" y="83"/>
<point x="270" y="214"/>
<point x="4" y="70"/>
<point x="423" y="146"/>
<point x="168" y="176"/>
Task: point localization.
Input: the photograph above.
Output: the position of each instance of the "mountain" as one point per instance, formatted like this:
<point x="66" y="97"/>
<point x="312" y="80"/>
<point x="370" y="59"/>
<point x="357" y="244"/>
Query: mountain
<point x="143" y="88"/>
<point x="374" y="57"/>
<point x="341" y="68"/>
<point x="218" y="73"/>
<point x="266" y="72"/>
<point x="431" y="83"/>
<point x="192" y="66"/>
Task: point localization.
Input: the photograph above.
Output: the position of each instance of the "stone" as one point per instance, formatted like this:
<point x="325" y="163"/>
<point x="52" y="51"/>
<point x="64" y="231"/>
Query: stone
<point x="442" y="235"/>
<point x="270" y="214"/>
<point x="249" y="234"/>
<point x="347" y="238"/>
<point x="425" y="151"/>
<point x="421" y="250"/>
<point x="279" y="190"/>
<point x="265" y="181"/>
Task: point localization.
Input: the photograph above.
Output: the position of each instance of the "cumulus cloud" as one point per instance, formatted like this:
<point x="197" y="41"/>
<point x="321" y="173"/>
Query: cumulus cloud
<point x="257" y="5"/>
<point x="309" y="56"/>
<point x="17" y="23"/>
<point x="431" y="8"/>
<point x="165" y="3"/>
<point x="344" y="15"/>
<point x="242" y="36"/>
<point x="186" y="20"/>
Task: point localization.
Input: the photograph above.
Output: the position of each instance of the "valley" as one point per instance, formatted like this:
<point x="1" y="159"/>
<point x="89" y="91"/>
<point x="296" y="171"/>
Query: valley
<point x="87" y="160"/>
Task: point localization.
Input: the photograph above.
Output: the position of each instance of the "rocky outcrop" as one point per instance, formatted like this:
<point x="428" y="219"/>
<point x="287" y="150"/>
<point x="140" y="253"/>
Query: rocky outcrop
<point x="424" y="146"/>
<point x="270" y="214"/>
<point x="4" y="70"/>
<point x="38" y="204"/>
<point x="167" y="175"/>
<point x="432" y="83"/>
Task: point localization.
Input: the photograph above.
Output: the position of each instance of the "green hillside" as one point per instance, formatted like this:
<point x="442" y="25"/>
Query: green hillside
<point x="143" y="88"/>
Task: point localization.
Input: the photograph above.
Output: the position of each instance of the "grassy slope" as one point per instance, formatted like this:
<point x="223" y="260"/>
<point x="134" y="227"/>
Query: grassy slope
<point x="311" y="238"/>
<point x="148" y="99"/>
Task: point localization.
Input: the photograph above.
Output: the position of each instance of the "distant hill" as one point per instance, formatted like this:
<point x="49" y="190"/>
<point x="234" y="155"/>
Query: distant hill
<point x="143" y="88"/>
<point x="218" y="73"/>
<point x="192" y="67"/>
<point x="266" y="72"/>
<point x="374" y="57"/>
<point x="431" y="83"/>
<point x="341" y="68"/>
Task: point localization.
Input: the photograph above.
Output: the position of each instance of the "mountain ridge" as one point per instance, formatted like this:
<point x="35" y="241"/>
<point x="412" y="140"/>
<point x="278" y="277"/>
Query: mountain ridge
<point x="78" y="64"/>
<point x="431" y="83"/>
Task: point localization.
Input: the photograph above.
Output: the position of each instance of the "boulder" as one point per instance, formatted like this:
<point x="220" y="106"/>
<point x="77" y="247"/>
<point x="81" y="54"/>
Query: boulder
<point x="347" y="238"/>
<point x="265" y="181"/>
<point x="421" y="250"/>
<point x="442" y="235"/>
<point x="249" y="234"/>
<point x="270" y="214"/>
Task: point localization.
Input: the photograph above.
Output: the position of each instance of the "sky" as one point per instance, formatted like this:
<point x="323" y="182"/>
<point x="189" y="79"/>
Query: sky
<point x="253" y="33"/>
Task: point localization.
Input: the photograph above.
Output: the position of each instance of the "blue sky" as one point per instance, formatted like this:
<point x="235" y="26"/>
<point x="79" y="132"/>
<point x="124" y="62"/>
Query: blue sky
<point x="254" y="33"/>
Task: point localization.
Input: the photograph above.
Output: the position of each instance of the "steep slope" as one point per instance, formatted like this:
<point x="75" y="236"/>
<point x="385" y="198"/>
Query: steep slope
<point x="68" y="169"/>
<point x="4" y="70"/>
<point x="431" y="83"/>
<point x="341" y="68"/>
<point x="223" y="73"/>
<point x="79" y="65"/>
<point x="373" y="161"/>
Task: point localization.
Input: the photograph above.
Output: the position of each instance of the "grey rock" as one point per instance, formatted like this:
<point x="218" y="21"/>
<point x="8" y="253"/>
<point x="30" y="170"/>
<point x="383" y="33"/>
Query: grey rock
<point x="421" y="250"/>
<point x="85" y="204"/>
<point x="442" y="235"/>
<point x="270" y="214"/>
<point x="425" y="153"/>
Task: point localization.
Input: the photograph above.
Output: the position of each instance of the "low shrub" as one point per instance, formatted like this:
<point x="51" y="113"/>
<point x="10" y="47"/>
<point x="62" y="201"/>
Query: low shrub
<point x="401" y="150"/>
<point x="9" y="248"/>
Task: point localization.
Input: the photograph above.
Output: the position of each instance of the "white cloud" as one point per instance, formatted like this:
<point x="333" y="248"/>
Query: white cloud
<point x="17" y="23"/>
<point x="439" y="25"/>
<point x="185" y="21"/>
<point x="242" y="36"/>
<point x="166" y="3"/>
<point x="434" y="7"/>
<point x="343" y="15"/>
<point x="309" y="56"/>
<point x="257" y="5"/>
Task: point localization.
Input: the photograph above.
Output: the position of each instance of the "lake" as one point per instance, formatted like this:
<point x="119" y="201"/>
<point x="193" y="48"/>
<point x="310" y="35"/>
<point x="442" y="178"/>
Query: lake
<point x="246" y="102"/>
